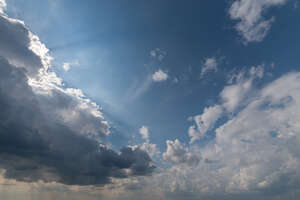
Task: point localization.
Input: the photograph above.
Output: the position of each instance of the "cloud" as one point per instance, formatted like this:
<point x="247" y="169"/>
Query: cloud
<point x="233" y="94"/>
<point x="159" y="76"/>
<point x="231" y="97"/>
<point x="252" y="26"/>
<point x="178" y="154"/>
<point x="144" y="131"/>
<point x="67" y="65"/>
<point x="209" y="65"/>
<point x="158" y="54"/>
<point x="49" y="132"/>
<point x="148" y="147"/>
<point x="2" y="6"/>
<point x="205" y="122"/>
<point x="255" y="151"/>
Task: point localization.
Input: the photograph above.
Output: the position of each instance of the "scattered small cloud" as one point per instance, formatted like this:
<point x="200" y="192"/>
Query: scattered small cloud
<point x="159" y="76"/>
<point x="67" y="65"/>
<point x="144" y="132"/>
<point x="209" y="65"/>
<point x="158" y="54"/>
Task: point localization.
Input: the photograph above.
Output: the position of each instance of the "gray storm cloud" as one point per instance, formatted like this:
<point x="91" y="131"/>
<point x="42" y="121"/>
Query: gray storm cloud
<point x="49" y="132"/>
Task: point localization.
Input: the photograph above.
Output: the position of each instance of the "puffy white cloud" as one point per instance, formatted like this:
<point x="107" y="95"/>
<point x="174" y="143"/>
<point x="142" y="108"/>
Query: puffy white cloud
<point x="232" y="95"/>
<point x="159" y="76"/>
<point x="151" y="149"/>
<point x="144" y="131"/>
<point x="241" y="84"/>
<point x="255" y="152"/>
<point x="177" y="153"/>
<point x="67" y="65"/>
<point x="231" y="98"/>
<point x="205" y="122"/>
<point x="252" y="25"/>
<point x="148" y="147"/>
<point x="2" y="6"/>
<point x="209" y="65"/>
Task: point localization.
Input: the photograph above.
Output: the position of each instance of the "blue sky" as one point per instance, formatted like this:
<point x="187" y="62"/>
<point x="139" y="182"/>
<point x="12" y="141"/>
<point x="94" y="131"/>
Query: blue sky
<point x="178" y="80"/>
<point x="112" y="42"/>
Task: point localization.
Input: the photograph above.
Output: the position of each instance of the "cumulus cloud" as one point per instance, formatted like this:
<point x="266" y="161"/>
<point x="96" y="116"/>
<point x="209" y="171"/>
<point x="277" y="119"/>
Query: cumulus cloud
<point x="252" y="25"/>
<point x="205" y="122"/>
<point x="146" y="146"/>
<point x="209" y="65"/>
<point x="177" y="153"/>
<point x="49" y="132"/>
<point x="240" y="86"/>
<point x="144" y="132"/>
<point x="233" y="94"/>
<point x="255" y="152"/>
<point x="159" y="76"/>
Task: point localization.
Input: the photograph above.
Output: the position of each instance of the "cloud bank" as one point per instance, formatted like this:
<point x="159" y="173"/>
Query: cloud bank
<point x="49" y="132"/>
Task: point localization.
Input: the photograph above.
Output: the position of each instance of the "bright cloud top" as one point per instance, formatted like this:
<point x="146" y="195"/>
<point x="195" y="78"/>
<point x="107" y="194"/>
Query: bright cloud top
<point x="159" y="76"/>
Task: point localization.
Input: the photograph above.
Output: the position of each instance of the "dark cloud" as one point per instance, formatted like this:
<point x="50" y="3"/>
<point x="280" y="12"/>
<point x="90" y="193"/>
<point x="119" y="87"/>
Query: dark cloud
<point x="48" y="132"/>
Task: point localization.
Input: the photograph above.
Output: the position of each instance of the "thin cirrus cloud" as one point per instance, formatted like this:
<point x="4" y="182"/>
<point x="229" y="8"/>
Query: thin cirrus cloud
<point x="35" y="148"/>
<point x="252" y="25"/>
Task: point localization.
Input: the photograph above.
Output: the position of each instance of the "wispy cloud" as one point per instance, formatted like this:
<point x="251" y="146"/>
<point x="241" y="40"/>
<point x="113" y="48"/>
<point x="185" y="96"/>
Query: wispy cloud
<point x="252" y="25"/>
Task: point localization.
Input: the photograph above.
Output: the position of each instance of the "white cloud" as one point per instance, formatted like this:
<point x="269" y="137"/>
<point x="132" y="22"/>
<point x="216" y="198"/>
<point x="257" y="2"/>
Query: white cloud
<point x="158" y="54"/>
<point x="209" y="65"/>
<point x="2" y="6"/>
<point x="67" y="65"/>
<point x="255" y="152"/>
<point x="205" y="122"/>
<point x="234" y="94"/>
<point x="159" y="76"/>
<point x="231" y="98"/>
<point x="144" y="131"/>
<point x="151" y="149"/>
<point x="177" y="153"/>
<point x="252" y="26"/>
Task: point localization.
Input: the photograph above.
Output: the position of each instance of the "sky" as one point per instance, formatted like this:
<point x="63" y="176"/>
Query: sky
<point x="149" y="100"/>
